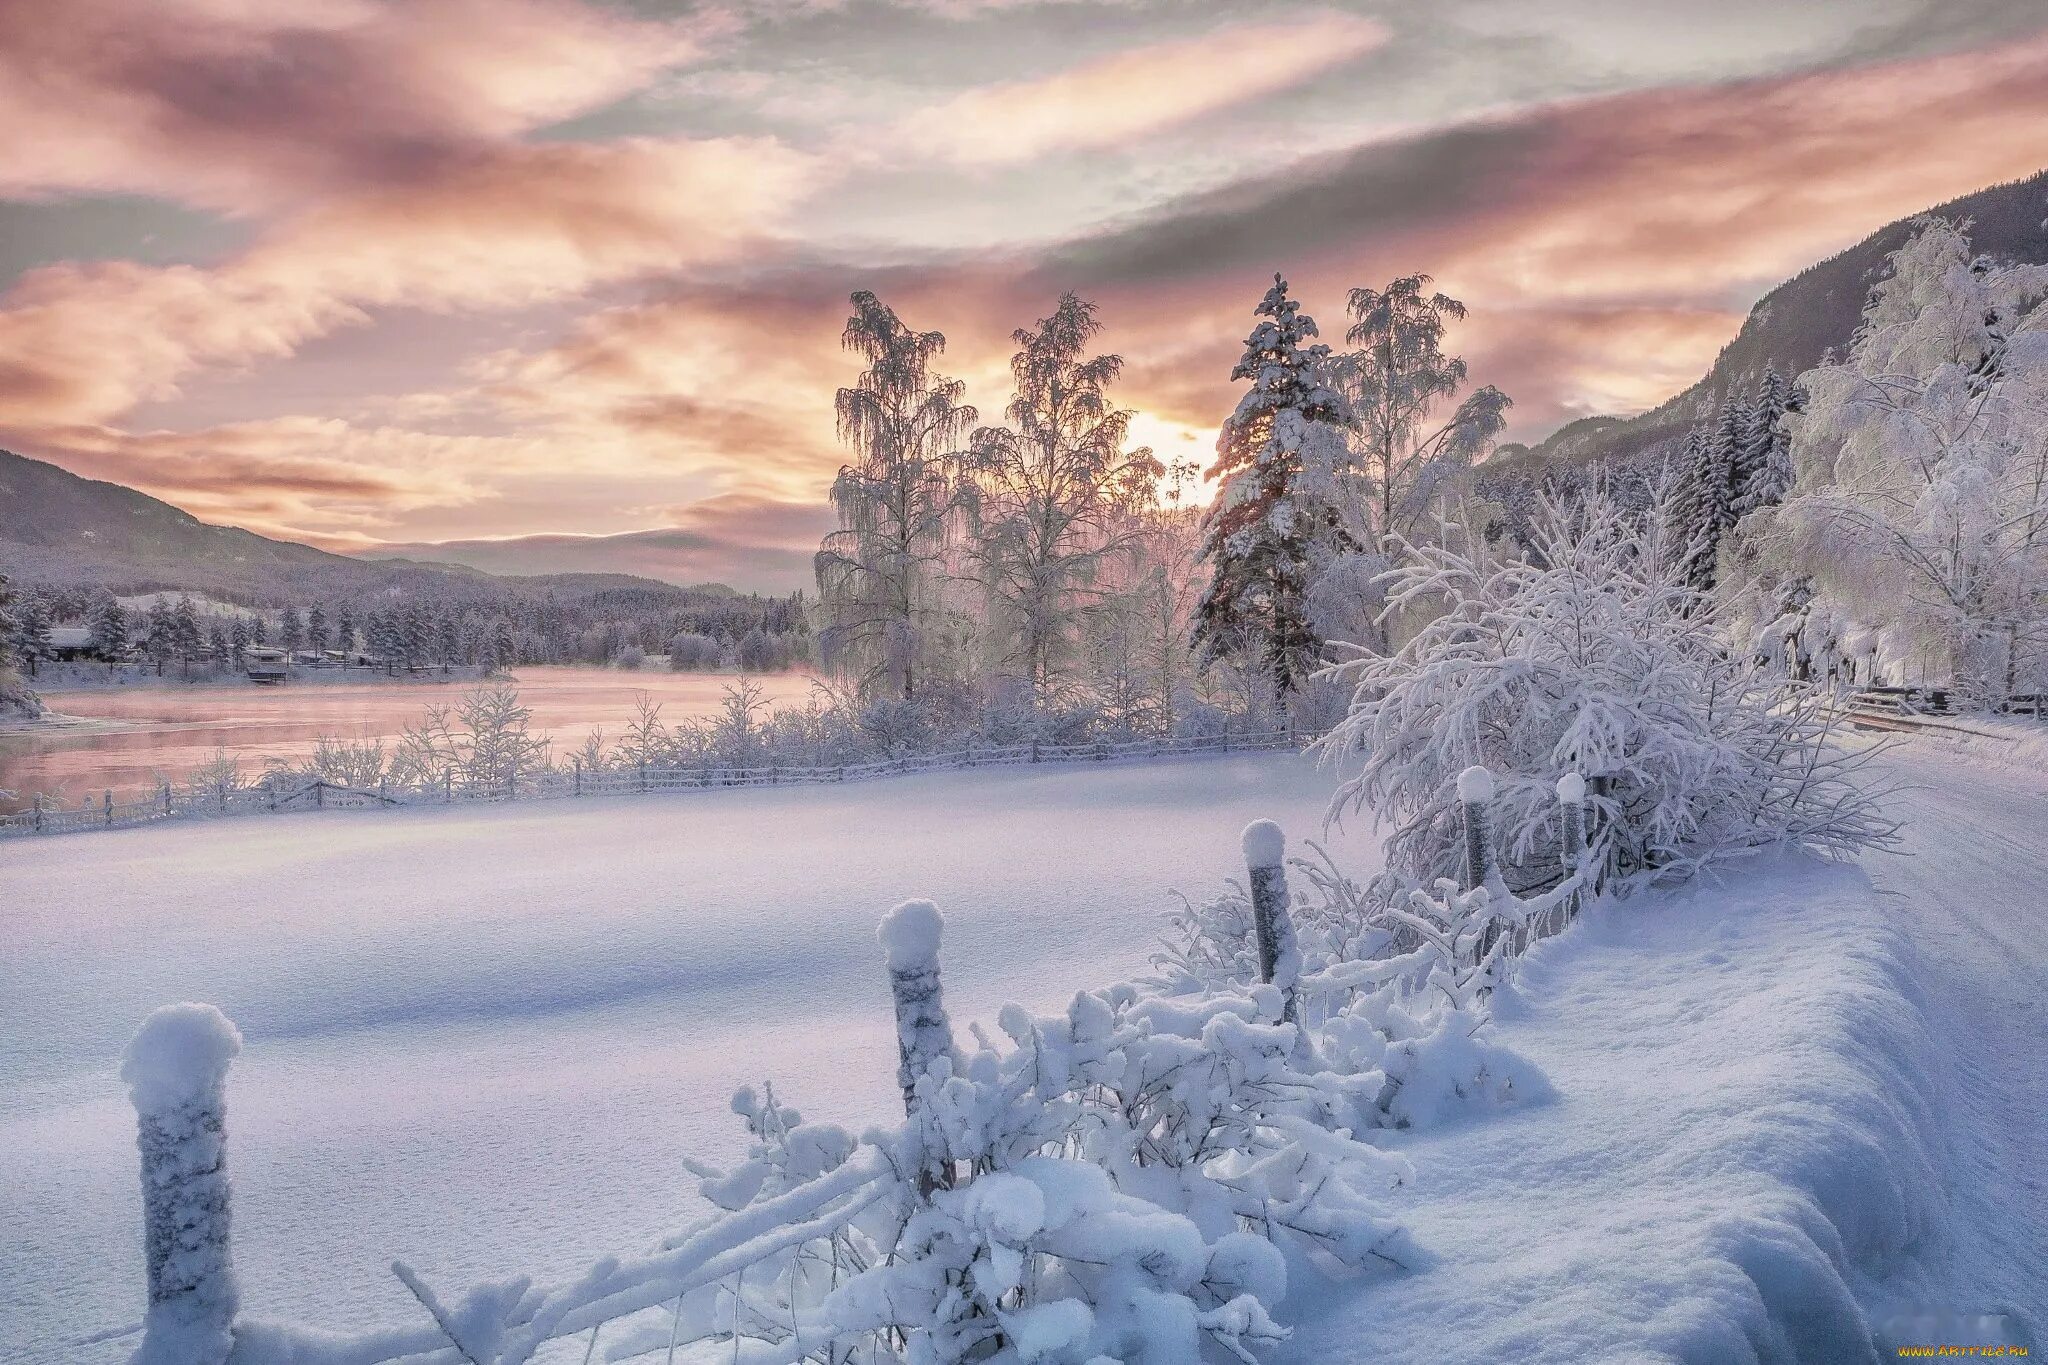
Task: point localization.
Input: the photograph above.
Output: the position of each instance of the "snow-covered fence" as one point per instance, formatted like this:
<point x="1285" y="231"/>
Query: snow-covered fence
<point x="176" y="1069"/>
<point x="274" y="795"/>
<point x="1265" y="858"/>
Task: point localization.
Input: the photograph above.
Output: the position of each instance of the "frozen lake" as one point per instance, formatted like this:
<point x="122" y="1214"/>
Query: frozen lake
<point x="169" y="731"/>
<point x="484" y="1039"/>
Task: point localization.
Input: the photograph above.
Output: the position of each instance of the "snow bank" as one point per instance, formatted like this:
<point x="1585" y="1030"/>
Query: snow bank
<point x="1743" y="1135"/>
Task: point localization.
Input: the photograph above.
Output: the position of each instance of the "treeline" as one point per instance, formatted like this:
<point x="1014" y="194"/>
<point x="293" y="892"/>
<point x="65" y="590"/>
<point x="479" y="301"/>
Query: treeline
<point x="609" y="625"/>
<point x="1045" y="564"/>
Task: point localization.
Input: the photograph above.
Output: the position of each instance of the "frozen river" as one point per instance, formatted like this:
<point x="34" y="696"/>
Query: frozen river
<point x="136" y="735"/>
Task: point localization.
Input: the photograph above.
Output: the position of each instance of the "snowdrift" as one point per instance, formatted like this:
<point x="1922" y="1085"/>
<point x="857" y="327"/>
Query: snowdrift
<point x="1741" y="1146"/>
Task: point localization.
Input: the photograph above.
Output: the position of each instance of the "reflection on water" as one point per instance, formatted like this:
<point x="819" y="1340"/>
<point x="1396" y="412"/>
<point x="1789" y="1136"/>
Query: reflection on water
<point x="150" y="733"/>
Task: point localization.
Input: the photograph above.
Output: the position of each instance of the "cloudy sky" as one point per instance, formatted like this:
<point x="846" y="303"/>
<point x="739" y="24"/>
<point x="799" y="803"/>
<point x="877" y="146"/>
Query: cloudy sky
<point x="358" y="271"/>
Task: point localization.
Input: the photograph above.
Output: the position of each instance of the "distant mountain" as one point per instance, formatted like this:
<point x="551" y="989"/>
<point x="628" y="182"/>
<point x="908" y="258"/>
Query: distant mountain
<point x="681" y="555"/>
<point x="58" y="528"/>
<point x="1793" y="326"/>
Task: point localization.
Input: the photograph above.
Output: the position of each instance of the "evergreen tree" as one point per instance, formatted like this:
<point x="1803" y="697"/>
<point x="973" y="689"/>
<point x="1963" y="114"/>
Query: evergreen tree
<point x="32" y="622"/>
<point x="240" y="637"/>
<point x="316" y="628"/>
<point x="345" y="629"/>
<point x="1764" y="474"/>
<point x="159" y="637"/>
<point x="186" y="636"/>
<point x="107" y="626"/>
<point x="291" y="631"/>
<point x="1278" y="461"/>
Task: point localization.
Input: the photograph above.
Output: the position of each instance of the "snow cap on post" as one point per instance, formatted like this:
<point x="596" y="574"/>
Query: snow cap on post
<point x="1571" y="789"/>
<point x="1264" y="844"/>
<point x="910" y="934"/>
<point x="1475" y="784"/>
<point x="179" y="1055"/>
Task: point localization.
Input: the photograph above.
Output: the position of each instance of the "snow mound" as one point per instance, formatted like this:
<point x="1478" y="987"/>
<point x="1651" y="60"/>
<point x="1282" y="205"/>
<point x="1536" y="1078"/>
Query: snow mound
<point x="180" y="1054"/>
<point x="910" y="934"/>
<point x="1571" y="789"/>
<point x="1475" y="784"/>
<point x="1264" y="844"/>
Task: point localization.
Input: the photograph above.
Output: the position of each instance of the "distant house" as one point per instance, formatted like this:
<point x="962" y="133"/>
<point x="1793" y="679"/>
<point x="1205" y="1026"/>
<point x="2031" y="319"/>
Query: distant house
<point x="266" y="665"/>
<point x="70" y="642"/>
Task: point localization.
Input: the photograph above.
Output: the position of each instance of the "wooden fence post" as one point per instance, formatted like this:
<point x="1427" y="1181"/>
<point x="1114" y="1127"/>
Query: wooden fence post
<point x="176" y="1068"/>
<point x="1226" y="734"/>
<point x="108" y="806"/>
<point x="1475" y="789"/>
<point x="1265" y="859"/>
<point x="578" y="764"/>
<point x="1571" y="798"/>
<point x="910" y="936"/>
<point x="164" y="791"/>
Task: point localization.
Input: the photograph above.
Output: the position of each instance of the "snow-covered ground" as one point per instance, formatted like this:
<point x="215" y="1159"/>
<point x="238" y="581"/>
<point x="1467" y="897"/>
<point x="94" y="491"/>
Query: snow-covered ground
<point x="484" y="1040"/>
<point x="1791" y="1107"/>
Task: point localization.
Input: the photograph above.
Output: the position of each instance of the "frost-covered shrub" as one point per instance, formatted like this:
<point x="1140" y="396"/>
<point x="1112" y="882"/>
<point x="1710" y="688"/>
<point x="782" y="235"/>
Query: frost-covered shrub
<point x="1591" y="655"/>
<point x="690" y="652"/>
<point x="1120" y="1182"/>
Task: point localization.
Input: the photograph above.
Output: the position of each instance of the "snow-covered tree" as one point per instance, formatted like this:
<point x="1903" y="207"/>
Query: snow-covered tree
<point x="291" y="630"/>
<point x="14" y="693"/>
<point x="1920" y="502"/>
<point x="1057" y="497"/>
<point x="107" y="626"/>
<point x="1595" y="656"/>
<point x="1705" y="493"/>
<point x="316" y="628"/>
<point x="898" y="503"/>
<point x="1279" y="462"/>
<point x="1763" y="474"/>
<point x="1395" y="381"/>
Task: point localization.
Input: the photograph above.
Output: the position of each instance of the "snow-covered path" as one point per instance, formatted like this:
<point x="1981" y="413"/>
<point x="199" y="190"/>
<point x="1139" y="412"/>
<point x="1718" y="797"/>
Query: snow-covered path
<point x="485" y="1039"/>
<point x="1972" y="898"/>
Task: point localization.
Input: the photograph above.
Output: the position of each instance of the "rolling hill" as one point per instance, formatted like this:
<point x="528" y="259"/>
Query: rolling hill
<point x="1793" y="326"/>
<point x="63" y="530"/>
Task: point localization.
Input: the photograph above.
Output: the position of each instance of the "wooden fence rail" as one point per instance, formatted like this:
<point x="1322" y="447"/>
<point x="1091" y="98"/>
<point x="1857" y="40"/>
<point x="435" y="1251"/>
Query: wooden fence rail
<point x="276" y="793"/>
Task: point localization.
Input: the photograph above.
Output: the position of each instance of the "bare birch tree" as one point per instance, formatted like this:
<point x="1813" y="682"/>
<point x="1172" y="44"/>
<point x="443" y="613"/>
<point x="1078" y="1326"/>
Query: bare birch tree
<point x="1058" y="493"/>
<point x="898" y="503"/>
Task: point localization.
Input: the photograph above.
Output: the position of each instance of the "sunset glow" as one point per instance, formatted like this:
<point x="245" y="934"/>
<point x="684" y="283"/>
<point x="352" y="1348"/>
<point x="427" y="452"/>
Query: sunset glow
<point x="359" y="272"/>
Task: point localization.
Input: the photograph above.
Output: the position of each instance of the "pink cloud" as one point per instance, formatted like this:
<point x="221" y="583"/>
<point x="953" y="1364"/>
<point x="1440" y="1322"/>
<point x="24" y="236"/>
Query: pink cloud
<point x="246" y="108"/>
<point x="1112" y="100"/>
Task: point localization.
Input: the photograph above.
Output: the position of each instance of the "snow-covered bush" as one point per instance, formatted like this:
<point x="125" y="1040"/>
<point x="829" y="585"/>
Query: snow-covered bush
<point x="1591" y="655"/>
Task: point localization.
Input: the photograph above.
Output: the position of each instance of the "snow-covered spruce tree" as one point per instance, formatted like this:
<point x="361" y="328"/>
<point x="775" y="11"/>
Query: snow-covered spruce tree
<point x="1763" y="473"/>
<point x="107" y="626"/>
<point x="1057" y="498"/>
<point x="1920" y="502"/>
<point x="1279" y="461"/>
<point x="1704" y="497"/>
<point x="1594" y="655"/>
<point x="899" y="501"/>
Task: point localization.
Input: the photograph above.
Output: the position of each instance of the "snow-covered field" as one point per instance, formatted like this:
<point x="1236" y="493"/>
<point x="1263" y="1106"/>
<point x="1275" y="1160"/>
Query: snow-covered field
<point x="1791" y="1107"/>
<point x="485" y="1040"/>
